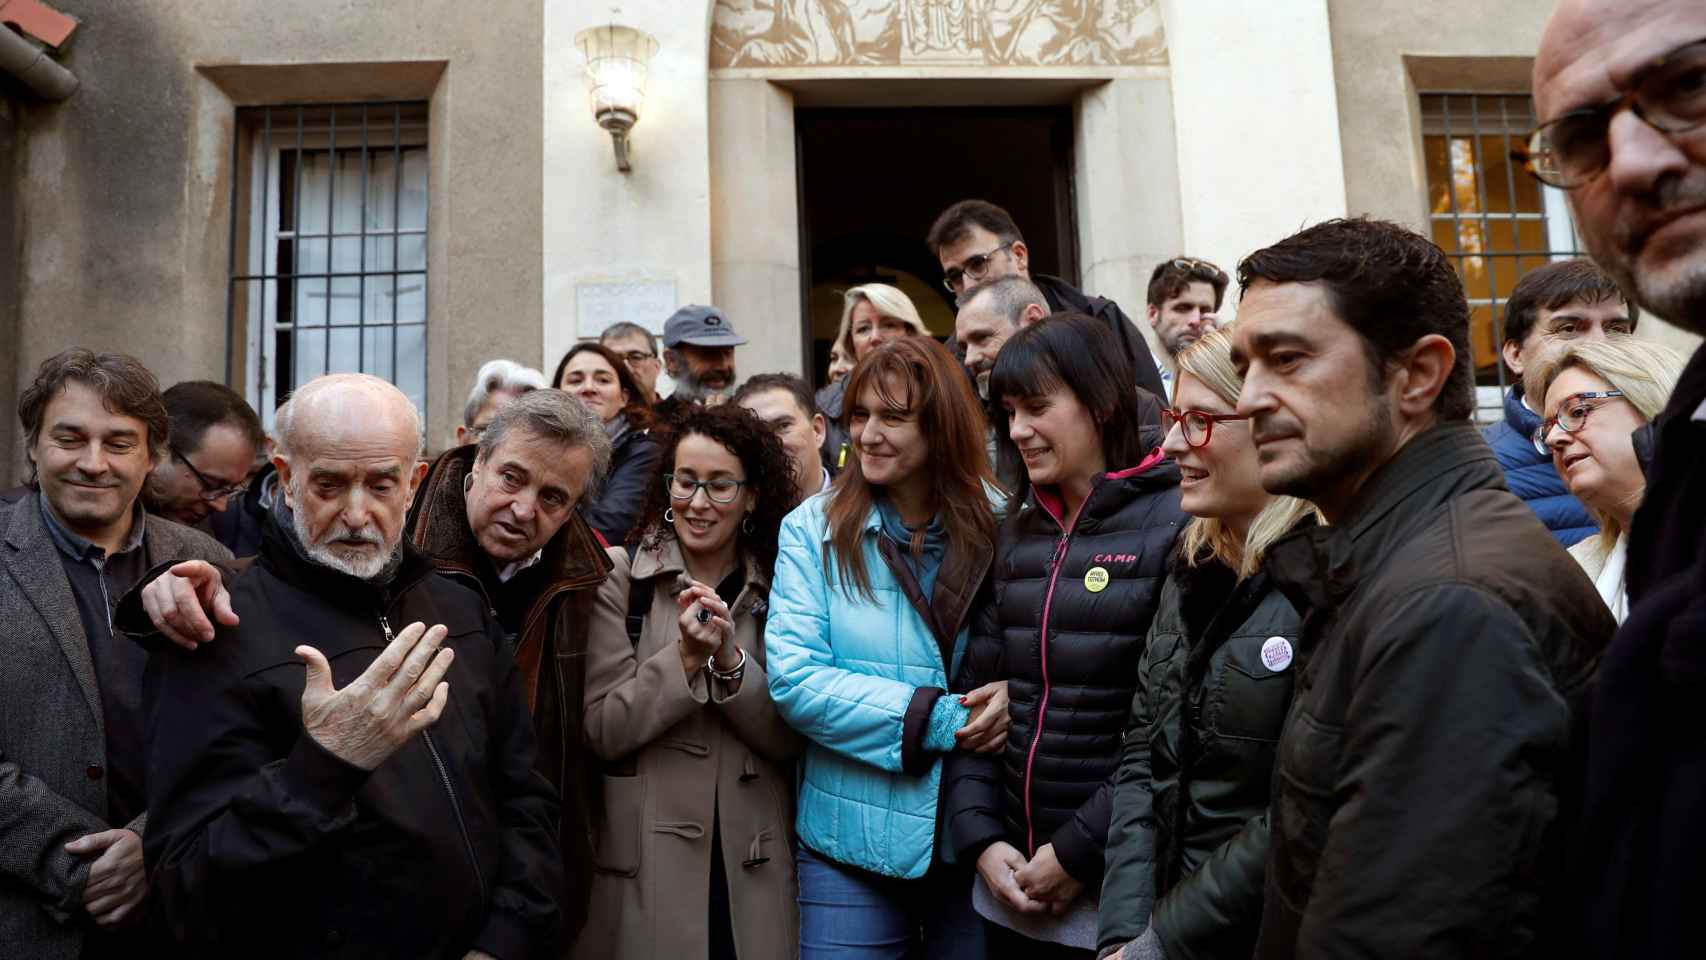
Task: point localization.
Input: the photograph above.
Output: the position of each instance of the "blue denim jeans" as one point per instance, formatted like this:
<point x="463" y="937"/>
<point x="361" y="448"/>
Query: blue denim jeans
<point x="851" y="914"/>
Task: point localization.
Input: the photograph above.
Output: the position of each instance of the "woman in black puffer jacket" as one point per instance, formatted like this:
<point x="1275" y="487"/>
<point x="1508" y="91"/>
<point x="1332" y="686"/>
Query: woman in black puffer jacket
<point x="1078" y="570"/>
<point x="1189" y="837"/>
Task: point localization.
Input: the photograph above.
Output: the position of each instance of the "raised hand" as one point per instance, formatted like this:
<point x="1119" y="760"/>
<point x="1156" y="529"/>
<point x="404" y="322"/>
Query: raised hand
<point x="180" y="601"/>
<point x="399" y="694"/>
<point x="118" y="882"/>
<point x="714" y="637"/>
<point x="986" y="731"/>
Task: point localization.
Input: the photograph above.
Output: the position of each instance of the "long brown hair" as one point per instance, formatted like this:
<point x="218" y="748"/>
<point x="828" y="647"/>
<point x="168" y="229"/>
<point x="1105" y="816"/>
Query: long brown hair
<point x="920" y="375"/>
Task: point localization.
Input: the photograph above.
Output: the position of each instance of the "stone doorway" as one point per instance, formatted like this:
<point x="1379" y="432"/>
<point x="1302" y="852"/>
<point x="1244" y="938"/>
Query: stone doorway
<point x="871" y="180"/>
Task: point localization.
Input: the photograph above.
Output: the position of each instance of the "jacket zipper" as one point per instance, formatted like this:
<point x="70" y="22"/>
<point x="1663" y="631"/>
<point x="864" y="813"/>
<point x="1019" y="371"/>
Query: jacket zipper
<point x="449" y="789"/>
<point x="1042" y="704"/>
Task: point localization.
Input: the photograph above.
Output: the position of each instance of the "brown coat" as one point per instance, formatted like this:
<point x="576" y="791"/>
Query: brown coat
<point x="679" y="751"/>
<point x="550" y="649"/>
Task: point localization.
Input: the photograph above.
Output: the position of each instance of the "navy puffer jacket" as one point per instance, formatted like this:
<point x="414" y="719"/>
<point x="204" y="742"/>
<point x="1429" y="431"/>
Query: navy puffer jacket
<point x="1530" y="475"/>
<point x="1072" y="604"/>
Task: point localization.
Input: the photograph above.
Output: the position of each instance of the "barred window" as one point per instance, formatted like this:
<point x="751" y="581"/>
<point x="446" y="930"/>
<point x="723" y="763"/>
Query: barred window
<point x="1494" y="220"/>
<point x="328" y="245"/>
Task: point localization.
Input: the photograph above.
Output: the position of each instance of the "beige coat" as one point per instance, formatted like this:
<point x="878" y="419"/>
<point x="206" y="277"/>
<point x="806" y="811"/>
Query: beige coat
<point x="679" y="751"/>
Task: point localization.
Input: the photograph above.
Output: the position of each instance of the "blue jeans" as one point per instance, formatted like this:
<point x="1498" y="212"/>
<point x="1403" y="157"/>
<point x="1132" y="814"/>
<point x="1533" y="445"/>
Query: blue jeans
<point x="853" y="914"/>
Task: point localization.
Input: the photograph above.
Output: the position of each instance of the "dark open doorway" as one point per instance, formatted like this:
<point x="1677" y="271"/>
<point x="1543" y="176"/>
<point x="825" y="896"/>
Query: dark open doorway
<point x="872" y="180"/>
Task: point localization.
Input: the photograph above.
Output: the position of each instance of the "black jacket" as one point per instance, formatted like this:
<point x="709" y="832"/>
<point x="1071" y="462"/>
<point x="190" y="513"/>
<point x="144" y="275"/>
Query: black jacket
<point x="1643" y="844"/>
<point x="1064" y="296"/>
<point x="634" y="461"/>
<point x="263" y="844"/>
<point x="1427" y="773"/>
<point x="1189" y="835"/>
<point x="1066" y="629"/>
<point x="239" y="525"/>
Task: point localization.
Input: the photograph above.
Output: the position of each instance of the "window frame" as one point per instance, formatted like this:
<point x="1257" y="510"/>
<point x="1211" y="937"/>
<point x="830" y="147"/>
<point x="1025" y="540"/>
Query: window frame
<point x="257" y="284"/>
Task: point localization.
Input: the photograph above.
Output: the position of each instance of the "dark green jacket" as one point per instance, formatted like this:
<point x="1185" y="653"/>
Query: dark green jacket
<point x="1189" y="835"/>
<point x="1430" y="767"/>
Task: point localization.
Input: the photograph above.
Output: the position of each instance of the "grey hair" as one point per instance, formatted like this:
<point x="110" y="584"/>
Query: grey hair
<point x="284" y="419"/>
<point x="624" y="328"/>
<point x="554" y="415"/>
<point x="495" y="375"/>
<point x="1009" y="296"/>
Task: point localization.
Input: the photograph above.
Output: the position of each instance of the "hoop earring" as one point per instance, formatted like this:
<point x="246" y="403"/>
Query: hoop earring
<point x="668" y="514"/>
<point x="746" y="524"/>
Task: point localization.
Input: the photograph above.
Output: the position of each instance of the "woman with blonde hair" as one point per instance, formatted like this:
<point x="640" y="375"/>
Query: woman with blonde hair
<point x="872" y="314"/>
<point x="1598" y="394"/>
<point x="1188" y="838"/>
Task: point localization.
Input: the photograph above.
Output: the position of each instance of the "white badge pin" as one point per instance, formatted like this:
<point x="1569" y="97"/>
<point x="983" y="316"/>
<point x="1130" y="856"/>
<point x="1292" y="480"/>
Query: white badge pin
<point x="1276" y="653"/>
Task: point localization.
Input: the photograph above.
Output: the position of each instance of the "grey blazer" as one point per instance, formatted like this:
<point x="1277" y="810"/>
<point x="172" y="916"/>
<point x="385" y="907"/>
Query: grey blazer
<point x="52" y="734"/>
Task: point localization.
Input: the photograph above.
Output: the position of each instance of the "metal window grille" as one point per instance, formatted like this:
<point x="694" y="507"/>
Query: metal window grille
<point x="1494" y="220"/>
<point x="328" y="245"/>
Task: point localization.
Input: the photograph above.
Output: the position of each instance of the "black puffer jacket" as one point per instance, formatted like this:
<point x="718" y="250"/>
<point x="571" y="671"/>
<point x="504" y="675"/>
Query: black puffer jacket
<point x="1189" y="835"/>
<point x="1071" y="607"/>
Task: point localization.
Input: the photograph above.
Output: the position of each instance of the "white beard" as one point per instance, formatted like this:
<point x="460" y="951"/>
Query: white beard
<point x="362" y="568"/>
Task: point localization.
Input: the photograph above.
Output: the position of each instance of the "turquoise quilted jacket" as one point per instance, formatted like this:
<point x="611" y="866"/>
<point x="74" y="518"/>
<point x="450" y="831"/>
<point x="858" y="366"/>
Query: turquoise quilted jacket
<point x="843" y="672"/>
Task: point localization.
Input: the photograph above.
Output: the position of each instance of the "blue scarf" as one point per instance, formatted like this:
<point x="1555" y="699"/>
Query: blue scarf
<point x="928" y="562"/>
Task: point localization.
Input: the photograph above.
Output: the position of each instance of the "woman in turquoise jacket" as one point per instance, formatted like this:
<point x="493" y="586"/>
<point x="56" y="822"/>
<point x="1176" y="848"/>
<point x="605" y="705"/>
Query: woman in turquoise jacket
<point x="874" y="585"/>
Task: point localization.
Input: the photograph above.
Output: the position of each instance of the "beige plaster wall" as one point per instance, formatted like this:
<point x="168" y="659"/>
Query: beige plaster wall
<point x="649" y="227"/>
<point x="124" y="190"/>
<point x="1257" y="125"/>
<point x="755" y="239"/>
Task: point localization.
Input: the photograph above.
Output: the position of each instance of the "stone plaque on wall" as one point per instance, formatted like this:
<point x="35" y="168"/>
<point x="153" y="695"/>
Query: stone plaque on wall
<point x="973" y="33"/>
<point x="645" y="302"/>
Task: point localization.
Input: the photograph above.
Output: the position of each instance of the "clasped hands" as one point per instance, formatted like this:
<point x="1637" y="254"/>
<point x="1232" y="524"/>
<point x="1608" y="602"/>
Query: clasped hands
<point x="1039" y="885"/>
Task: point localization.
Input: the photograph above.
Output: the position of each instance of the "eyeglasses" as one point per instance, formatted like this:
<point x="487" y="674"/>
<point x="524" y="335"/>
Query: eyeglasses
<point x="1197" y="426"/>
<point x="720" y="490"/>
<point x="1572" y="414"/>
<point x="1193" y="265"/>
<point x="1668" y="95"/>
<point x="638" y="356"/>
<point x="975" y="267"/>
<point x="211" y="490"/>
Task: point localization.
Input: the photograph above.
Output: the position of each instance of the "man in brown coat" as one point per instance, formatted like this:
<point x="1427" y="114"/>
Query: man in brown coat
<point x="500" y="516"/>
<point x="72" y="804"/>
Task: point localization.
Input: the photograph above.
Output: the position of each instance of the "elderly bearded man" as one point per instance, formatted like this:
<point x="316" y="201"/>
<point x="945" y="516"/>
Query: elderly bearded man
<point x="371" y="794"/>
<point x="501" y="517"/>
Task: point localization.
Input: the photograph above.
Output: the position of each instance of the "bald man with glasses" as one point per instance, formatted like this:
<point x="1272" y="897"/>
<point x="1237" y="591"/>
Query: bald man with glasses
<point x="1620" y="92"/>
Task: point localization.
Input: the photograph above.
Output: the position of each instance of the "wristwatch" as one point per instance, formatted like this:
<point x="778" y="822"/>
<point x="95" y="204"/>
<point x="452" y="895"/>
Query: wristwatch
<point x="732" y="675"/>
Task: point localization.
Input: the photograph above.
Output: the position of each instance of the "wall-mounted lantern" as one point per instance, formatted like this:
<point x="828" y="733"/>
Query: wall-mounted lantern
<point x="616" y="62"/>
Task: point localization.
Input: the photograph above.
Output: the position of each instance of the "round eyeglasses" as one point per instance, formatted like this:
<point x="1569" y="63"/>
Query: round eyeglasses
<point x="1572" y="414"/>
<point x="720" y="489"/>
<point x="1197" y="426"/>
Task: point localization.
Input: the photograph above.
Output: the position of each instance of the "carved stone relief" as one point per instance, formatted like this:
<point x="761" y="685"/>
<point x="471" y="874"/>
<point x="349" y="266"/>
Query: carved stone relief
<point x="859" y="33"/>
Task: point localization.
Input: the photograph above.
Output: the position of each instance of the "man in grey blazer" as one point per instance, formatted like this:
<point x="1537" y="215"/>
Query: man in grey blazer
<point x="72" y="883"/>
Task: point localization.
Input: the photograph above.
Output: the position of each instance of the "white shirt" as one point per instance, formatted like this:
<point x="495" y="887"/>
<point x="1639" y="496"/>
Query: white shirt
<point x="510" y="570"/>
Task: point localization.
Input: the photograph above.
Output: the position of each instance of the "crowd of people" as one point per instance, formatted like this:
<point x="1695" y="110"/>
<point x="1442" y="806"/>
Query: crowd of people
<point x="1036" y="642"/>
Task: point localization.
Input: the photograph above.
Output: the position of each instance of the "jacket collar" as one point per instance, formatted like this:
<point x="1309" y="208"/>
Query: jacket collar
<point x="664" y="558"/>
<point x="280" y="555"/>
<point x="573" y="558"/>
<point x="1320" y="566"/>
<point x="1112" y="490"/>
<point x="1521" y="419"/>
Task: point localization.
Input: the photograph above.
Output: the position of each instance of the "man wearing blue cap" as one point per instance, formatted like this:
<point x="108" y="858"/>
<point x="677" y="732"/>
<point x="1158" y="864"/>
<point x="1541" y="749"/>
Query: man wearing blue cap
<point x="699" y="353"/>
